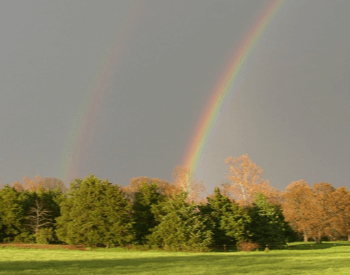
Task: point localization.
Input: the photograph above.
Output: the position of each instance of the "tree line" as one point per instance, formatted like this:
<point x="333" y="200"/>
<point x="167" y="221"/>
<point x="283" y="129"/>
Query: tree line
<point x="157" y="214"/>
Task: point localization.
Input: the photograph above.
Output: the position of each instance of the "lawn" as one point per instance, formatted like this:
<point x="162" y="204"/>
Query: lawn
<point x="300" y="259"/>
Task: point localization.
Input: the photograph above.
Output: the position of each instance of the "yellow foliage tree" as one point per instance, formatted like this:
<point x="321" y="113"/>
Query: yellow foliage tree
<point x="245" y="180"/>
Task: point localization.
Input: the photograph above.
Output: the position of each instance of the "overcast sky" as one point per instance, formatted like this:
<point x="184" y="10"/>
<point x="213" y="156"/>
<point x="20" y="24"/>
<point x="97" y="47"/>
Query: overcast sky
<point x="149" y="68"/>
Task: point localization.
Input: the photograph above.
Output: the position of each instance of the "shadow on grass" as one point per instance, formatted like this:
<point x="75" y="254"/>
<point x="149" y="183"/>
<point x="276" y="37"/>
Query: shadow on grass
<point x="191" y="264"/>
<point x="291" y="246"/>
<point x="315" y="246"/>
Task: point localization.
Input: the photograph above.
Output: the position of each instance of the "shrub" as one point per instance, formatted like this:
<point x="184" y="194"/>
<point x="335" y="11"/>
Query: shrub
<point x="247" y="246"/>
<point x="24" y="237"/>
<point x="44" y="236"/>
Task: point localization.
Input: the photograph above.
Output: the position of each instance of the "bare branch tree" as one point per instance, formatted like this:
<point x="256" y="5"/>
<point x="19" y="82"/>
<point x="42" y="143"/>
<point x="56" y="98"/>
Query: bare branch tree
<point x="38" y="217"/>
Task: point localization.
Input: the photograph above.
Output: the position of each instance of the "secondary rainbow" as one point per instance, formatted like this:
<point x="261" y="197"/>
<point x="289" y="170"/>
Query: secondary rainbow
<point x="76" y="146"/>
<point x="225" y="86"/>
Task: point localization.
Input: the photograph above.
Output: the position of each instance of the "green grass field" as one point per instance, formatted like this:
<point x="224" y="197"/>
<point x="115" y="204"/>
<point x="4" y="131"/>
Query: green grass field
<point x="323" y="259"/>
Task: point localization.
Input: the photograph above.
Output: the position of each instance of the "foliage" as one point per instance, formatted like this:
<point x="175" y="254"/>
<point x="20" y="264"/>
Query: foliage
<point x="334" y="211"/>
<point x="245" y="180"/>
<point x="40" y="209"/>
<point x="45" y="235"/>
<point x="25" y="237"/>
<point x="267" y="222"/>
<point x="290" y="234"/>
<point x="144" y="219"/>
<point x="181" y="225"/>
<point x="11" y="214"/>
<point x="47" y="183"/>
<point x="165" y="188"/>
<point x="93" y="213"/>
<point x="38" y="217"/>
<point x="184" y="180"/>
<point x="318" y="211"/>
<point x="228" y="221"/>
<point x="247" y="246"/>
<point x="24" y="213"/>
<point x="152" y="213"/>
<point x="297" y="205"/>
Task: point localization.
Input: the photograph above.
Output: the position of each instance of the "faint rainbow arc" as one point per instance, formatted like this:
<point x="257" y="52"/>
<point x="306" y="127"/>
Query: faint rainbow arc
<point x="225" y="85"/>
<point x="76" y="145"/>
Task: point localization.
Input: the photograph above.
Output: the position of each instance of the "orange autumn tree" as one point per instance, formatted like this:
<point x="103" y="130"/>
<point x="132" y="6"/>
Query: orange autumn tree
<point x="51" y="183"/>
<point x="317" y="212"/>
<point x="245" y="180"/>
<point x="340" y="204"/>
<point x="18" y="186"/>
<point x="47" y="183"/>
<point x="165" y="187"/>
<point x="322" y="196"/>
<point x="298" y="200"/>
<point x="335" y="210"/>
<point x="182" y="180"/>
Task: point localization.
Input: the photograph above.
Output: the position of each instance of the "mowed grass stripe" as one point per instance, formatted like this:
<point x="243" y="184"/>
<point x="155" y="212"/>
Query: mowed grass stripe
<point x="323" y="260"/>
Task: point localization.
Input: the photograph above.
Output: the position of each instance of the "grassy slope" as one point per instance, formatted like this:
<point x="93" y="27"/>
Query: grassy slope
<point x="324" y="259"/>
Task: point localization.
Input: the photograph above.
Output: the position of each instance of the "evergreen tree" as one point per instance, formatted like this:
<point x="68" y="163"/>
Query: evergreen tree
<point x="41" y="208"/>
<point x="94" y="213"/>
<point x="181" y="225"/>
<point x="228" y="220"/>
<point x="144" y="219"/>
<point x="11" y="214"/>
<point x="268" y="224"/>
<point x="24" y="213"/>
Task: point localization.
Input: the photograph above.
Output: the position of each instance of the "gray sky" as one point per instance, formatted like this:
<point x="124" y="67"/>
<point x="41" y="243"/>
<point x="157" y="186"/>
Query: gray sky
<point x="159" y="61"/>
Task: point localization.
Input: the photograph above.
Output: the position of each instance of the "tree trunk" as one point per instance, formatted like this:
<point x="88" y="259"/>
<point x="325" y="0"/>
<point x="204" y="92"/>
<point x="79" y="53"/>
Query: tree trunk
<point x="305" y="238"/>
<point x="318" y="239"/>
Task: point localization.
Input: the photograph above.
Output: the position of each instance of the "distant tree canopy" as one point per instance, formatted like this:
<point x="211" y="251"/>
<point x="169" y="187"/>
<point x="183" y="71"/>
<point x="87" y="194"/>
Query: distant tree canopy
<point x="37" y="183"/>
<point x="152" y="212"/>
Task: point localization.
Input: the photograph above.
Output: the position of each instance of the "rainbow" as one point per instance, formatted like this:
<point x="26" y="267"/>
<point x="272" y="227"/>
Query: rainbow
<point x="225" y="86"/>
<point x="77" y="143"/>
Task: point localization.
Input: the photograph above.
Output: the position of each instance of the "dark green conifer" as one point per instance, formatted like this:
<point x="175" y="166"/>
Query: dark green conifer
<point x="95" y="213"/>
<point x="11" y="214"/>
<point x="181" y="225"/>
<point x="144" y="219"/>
<point x="228" y="220"/>
<point x="267" y="225"/>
